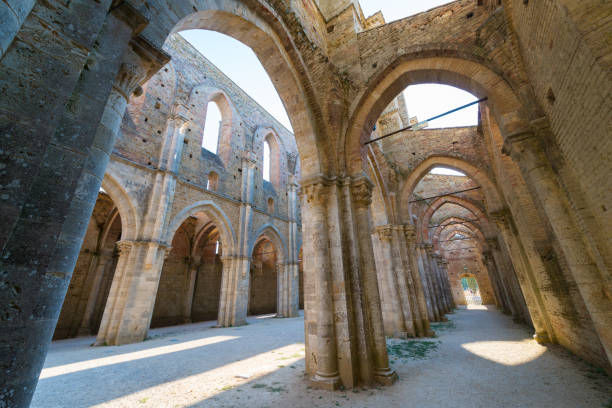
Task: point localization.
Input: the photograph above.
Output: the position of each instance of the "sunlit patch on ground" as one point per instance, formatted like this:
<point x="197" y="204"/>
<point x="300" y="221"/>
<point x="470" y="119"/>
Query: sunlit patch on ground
<point x="509" y="353"/>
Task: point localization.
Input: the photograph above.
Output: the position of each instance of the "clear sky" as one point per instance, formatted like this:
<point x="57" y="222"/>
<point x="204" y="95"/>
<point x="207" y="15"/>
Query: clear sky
<point x="240" y="64"/>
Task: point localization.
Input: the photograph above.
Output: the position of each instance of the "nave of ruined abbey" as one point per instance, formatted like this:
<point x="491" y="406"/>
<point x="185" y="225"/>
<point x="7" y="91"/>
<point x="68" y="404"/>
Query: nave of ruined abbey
<point x="122" y="230"/>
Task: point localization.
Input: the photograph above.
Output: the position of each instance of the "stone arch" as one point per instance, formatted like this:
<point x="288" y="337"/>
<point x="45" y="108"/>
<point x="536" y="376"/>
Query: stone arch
<point x="223" y="223"/>
<point x="270" y="232"/>
<point x="451" y="67"/>
<point x="128" y="212"/>
<point x="259" y="27"/>
<point x="493" y="200"/>
<point x="471" y="226"/>
<point x="440" y="201"/>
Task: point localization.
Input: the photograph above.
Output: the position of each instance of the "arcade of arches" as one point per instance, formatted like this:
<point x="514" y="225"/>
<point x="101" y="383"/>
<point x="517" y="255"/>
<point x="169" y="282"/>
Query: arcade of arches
<point x="116" y="219"/>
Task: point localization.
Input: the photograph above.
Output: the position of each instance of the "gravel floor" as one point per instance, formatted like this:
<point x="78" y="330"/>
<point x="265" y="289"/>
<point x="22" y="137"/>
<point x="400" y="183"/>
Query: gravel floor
<point x="479" y="359"/>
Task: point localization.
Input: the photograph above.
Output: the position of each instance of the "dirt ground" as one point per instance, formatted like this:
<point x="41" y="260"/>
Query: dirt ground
<point x="478" y="359"/>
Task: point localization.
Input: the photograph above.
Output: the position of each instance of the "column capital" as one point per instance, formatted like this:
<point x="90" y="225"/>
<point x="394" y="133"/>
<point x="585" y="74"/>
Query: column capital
<point x="142" y="60"/>
<point x="385" y="232"/>
<point x="361" y="191"/>
<point x="248" y="159"/>
<point x="410" y="233"/>
<point x="503" y="218"/>
<point x="315" y="190"/>
<point x="124" y="246"/>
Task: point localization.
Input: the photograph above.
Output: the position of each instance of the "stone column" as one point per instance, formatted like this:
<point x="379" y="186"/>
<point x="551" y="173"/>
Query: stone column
<point x="392" y="308"/>
<point x="101" y="264"/>
<point x="526" y="149"/>
<point x="235" y="285"/>
<point x="361" y="194"/>
<point x="533" y="297"/>
<point x="287" y="291"/>
<point x="193" y="266"/>
<point x="436" y="258"/>
<point x="57" y="146"/>
<point x="432" y="310"/>
<point x="443" y="283"/>
<point x="435" y="296"/>
<point x="407" y="289"/>
<point x="319" y="302"/>
<point x="498" y="287"/>
<point x="419" y="286"/>
<point x="129" y="307"/>
<point x="292" y="264"/>
<point x="444" y="266"/>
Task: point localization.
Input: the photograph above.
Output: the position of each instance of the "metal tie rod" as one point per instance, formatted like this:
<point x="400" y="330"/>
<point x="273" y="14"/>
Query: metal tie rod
<point x="452" y="223"/>
<point x="444" y="195"/>
<point x="428" y="120"/>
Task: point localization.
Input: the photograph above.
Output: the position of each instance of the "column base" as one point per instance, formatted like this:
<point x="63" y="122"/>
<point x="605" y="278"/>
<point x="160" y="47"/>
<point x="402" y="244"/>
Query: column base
<point x="401" y="335"/>
<point x="431" y="333"/>
<point x="443" y="319"/>
<point x="541" y="338"/>
<point x="325" y="383"/>
<point x="387" y="377"/>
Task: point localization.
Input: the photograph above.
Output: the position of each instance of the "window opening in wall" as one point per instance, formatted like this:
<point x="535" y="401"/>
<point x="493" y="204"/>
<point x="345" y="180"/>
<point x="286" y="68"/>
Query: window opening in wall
<point x="217" y="248"/>
<point x="266" y="161"/>
<point x="212" y="127"/>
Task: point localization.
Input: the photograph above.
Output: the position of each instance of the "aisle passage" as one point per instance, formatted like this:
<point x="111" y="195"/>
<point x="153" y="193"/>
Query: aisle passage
<point x="479" y="359"/>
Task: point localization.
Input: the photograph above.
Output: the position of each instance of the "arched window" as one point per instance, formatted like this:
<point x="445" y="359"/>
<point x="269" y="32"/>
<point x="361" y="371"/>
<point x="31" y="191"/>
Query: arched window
<point x="213" y="181"/>
<point x="271" y="160"/>
<point x="266" y="161"/>
<point x="212" y="127"/>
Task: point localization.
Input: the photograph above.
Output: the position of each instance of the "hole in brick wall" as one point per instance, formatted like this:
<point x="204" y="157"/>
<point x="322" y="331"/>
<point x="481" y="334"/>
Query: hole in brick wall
<point x="550" y="44"/>
<point x="146" y="119"/>
<point x="162" y="85"/>
<point x="603" y="208"/>
<point x="144" y="140"/>
<point x="157" y="105"/>
<point x="165" y="69"/>
<point x="149" y="163"/>
<point x="330" y="28"/>
<point x="470" y="14"/>
<point x="190" y="156"/>
<point x="185" y="141"/>
<point x="197" y="92"/>
<point x="550" y="96"/>
<point x="159" y="132"/>
<point x="525" y="2"/>
<point x="374" y="65"/>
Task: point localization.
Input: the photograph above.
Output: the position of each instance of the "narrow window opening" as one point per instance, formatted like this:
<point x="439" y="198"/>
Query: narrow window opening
<point x="270" y="205"/>
<point x="212" y="127"/>
<point x="217" y="248"/>
<point x="266" y="161"/>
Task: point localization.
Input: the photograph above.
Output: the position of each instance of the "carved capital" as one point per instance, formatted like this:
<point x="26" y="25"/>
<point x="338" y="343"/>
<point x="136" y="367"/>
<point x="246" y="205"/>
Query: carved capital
<point x="316" y="190"/>
<point x="385" y="232"/>
<point x="124" y="247"/>
<point x="361" y="192"/>
<point x="410" y="233"/>
<point x="248" y="159"/>
<point x="502" y="218"/>
<point x="141" y="62"/>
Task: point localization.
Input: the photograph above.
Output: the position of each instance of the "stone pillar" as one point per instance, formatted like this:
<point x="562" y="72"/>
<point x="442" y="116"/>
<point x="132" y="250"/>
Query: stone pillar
<point x="432" y="311"/>
<point x="361" y="194"/>
<point x="419" y="286"/>
<point x="345" y="342"/>
<point x="129" y="307"/>
<point x="292" y="264"/>
<point x="526" y="149"/>
<point x="101" y="263"/>
<point x="235" y="282"/>
<point x="444" y="266"/>
<point x="501" y="300"/>
<point x="435" y="295"/>
<point x="193" y="266"/>
<point x="287" y="291"/>
<point x="444" y="283"/>
<point x="436" y="258"/>
<point x="392" y="311"/>
<point x="408" y="290"/>
<point x="539" y="316"/>
<point x="58" y="137"/>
